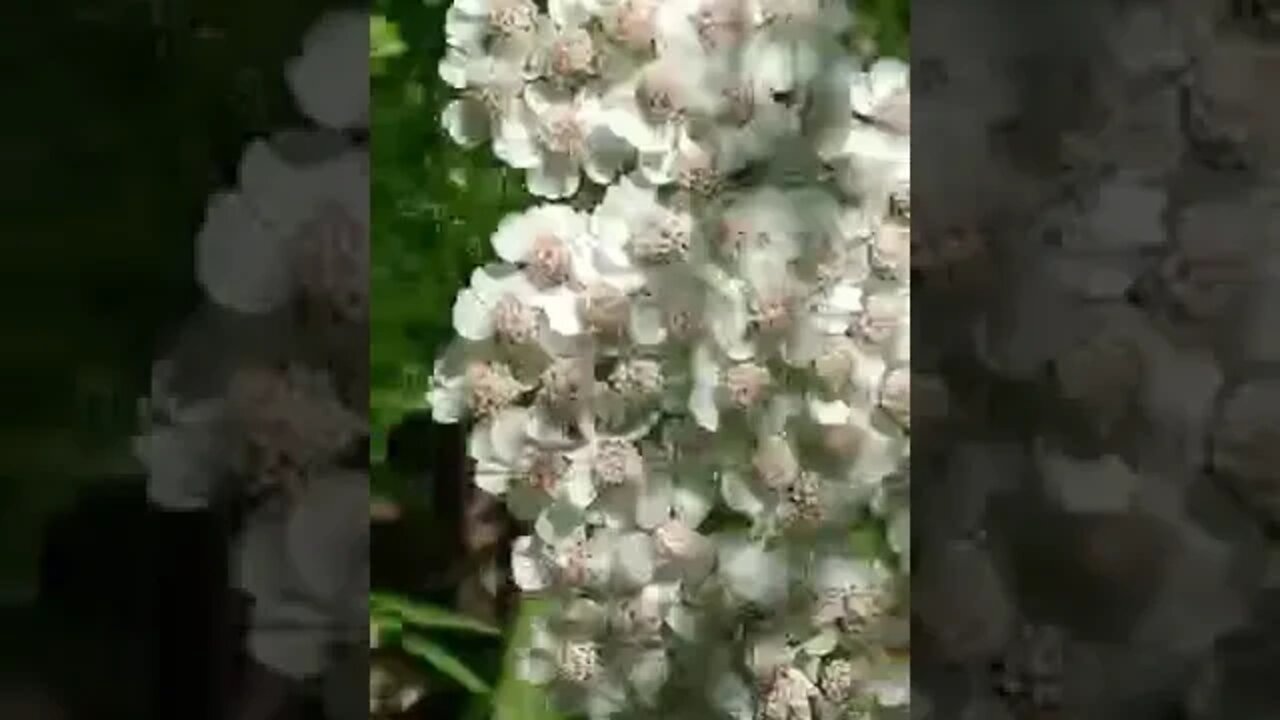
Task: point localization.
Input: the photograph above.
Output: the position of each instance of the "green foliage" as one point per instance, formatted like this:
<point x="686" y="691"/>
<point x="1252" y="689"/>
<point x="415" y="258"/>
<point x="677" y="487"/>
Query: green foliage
<point x="888" y="24"/>
<point x="406" y="612"/>
<point x="434" y="207"/>
<point x="515" y="699"/>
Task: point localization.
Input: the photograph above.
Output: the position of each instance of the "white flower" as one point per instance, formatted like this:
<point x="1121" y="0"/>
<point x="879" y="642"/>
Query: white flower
<point x="492" y="108"/>
<point x="241" y="264"/>
<point x="751" y="573"/>
<point x="1128" y="214"/>
<point x="727" y="327"/>
<point x="575" y="558"/>
<point x="850" y="590"/>
<point x="183" y="458"/>
<point x="550" y="242"/>
<point x="506" y="26"/>
<point x="650" y="110"/>
<point x="1245" y="444"/>
<point x="509" y="463"/>
<point x="465" y="382"/>
<point x="1106" y="484"/>
<point x="882" y="92"/>
<point x="638" y="236"/>
<point x="503" y="303"/>
<point x="573" y="138"/>
<point x="326" y="536"/>
<point x="329" y="80"/>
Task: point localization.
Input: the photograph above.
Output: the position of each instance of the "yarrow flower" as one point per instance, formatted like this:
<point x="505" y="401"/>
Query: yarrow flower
<point x="274" y="404"/>
<point x="697" y="390"/>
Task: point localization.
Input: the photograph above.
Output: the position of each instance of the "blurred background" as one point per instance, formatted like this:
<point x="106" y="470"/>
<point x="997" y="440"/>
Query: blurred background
<point x="121" y="117"/>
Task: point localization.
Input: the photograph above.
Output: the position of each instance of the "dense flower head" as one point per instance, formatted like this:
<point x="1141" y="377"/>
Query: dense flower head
<point x="696" y="392"/>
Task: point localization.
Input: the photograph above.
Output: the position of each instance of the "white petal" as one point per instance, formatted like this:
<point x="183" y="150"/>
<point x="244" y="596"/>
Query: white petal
<point x="514" y="238"/>
<point x="739" y="495"/>
<point x="754" y="574"/>
<point x="513" y="145"/>
<point x="330" y="80"/>
<point x="240" y="264"/>
<point x="453" y="66"/>
<point x="472" y="315"/>
<point x="561" y="308"/>
<point x="556" y="177"/>
<point x="829" y="412"/>
<point x="282" y="196"/>
<point x="693" y="501"/>
<point x="507" y="435"/>
<point x="527" y="568"/>
<point x="579" y="488"/>
<point x="648" y="674"/>
<point x="491" y="477"/>
<point x="325" y="533"/>
<point x="635" y="558"/>
<point x="654" y="502"/>
<point x="466" y="122"/>
<point x="647" y="326"/>
<point x="535" y="667"/>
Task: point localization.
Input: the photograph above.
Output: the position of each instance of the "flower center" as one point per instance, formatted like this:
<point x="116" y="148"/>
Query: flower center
<point x="835" y="368"/>
<point x="720" y="23"/>
<point x="631" y="24"/>
<point x="895" y="395"/>
<point x="637" y="379"/>
<point x="545" y="471"/>
<point x="510" y="18"/>
<point x="746" y="384"/>
<point x="605" y="309"/>
<point x="664" y="241"/>
<point x="696" y="172"/>
<point x="564" y="134"/>
<point x="879" y="321"/>
<point x="772" y="314"/>
<point x="514" y="322"/>
<point x="839" y="680"/>
<point x="563" y="386"/>
<point x="491" y="387"/>
<point x="658" y="96"/>
<point x="573" y="54"/>
<point x="803" y="506"/>
<point x="617" y="463"/>
<point x="580" y="661"/>
<point x="682" y="324"/>
<point x="548" y="261"/>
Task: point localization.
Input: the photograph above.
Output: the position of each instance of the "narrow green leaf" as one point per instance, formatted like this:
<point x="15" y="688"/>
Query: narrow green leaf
<point x="514" y="698"/>
<point x="445" y="662"/>
<point x="426" y="616"/>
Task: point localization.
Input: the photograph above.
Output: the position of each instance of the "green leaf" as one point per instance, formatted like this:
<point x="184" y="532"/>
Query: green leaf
<point x="514" y="698"/>
<point x="386" y="629"/>
<point x="445" y="662"/>
<point x="426" y="616"/>
<point x="384" y="39"/>
<point x="869" y="541"/>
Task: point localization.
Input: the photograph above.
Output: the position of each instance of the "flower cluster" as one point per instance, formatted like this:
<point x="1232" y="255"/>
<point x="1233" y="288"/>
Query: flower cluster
<point x="266" y="391"/>
<point x="696" y="392"/>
